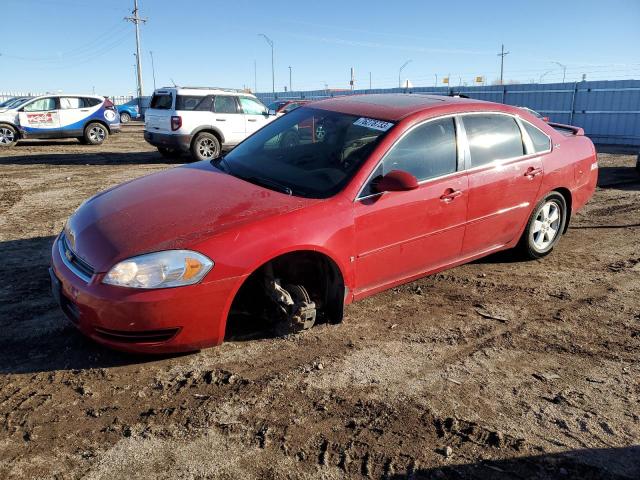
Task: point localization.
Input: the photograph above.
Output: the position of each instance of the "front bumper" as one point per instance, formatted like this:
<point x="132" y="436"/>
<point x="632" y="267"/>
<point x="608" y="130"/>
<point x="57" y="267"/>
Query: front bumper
<point x="167" y="140"/>
<point x="167" y="320"/>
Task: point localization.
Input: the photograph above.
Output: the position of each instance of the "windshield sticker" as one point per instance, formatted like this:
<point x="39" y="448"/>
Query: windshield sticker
<point x="373" y="123"/>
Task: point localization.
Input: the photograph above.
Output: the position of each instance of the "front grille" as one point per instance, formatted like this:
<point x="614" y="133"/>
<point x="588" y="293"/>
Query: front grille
<point x="75" y="263"/>
<point x="145" y="336"/>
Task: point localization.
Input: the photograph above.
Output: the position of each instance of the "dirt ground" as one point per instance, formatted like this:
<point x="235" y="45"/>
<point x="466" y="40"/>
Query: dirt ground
<point x="497" y="369"/>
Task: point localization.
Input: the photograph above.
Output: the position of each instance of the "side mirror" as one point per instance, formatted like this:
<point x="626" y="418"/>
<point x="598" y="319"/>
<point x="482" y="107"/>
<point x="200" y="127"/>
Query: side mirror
<point x="396" y="181"/>
<point x="271" y="112"/>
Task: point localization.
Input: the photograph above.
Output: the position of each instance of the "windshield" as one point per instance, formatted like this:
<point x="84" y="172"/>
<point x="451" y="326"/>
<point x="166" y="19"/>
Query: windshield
<point x="309" y="152"/>
<point x="14" y="102"/>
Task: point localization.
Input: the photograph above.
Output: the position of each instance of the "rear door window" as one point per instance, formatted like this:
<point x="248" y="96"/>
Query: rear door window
<point x="225" y="104"/>
<point x="492" y="137"/>
<point x="162" y="101"/>
<point x="68" y="103"/>
<point x="541" y="142"/>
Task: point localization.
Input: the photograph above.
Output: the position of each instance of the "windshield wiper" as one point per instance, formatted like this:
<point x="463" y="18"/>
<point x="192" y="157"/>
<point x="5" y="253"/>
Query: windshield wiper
<point x="264" y="182"/>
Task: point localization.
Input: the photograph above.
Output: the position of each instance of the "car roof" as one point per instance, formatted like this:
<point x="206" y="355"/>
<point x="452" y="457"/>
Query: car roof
<point x="196" y="91"/>
<point x="396" y="106"/>
<point x="83" y="95"/>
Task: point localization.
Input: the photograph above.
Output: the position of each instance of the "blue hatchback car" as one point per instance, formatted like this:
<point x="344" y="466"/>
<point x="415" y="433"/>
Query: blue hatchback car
<point x="131" y="110"/>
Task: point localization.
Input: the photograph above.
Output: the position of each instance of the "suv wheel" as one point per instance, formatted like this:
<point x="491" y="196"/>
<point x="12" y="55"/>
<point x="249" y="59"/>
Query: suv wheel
<point x="205" y="146"/>
<point x="8" y="136"/>
<point x="125" y="117"/>
<point x="95" y="134"/>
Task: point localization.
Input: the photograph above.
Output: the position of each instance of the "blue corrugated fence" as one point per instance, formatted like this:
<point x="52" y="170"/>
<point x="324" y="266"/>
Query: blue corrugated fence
<point x="608" y="111"/>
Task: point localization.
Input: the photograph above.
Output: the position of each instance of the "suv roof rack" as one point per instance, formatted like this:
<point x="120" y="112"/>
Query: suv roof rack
<point x="235" y="90"/>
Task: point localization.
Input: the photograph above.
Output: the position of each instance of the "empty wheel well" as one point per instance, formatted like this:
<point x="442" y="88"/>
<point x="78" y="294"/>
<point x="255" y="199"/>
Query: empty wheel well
<point x="567" y="198"/>
<point x="316" y="272"/>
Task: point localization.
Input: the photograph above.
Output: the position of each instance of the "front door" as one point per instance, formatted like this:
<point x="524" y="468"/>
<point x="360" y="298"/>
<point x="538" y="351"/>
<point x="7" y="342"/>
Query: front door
<point x="255" y="114"/>
<point x="503" y="181"/>
<point x="402" y="235"/>
<point x="229" y="119"/>
<point x="40" y="118"/>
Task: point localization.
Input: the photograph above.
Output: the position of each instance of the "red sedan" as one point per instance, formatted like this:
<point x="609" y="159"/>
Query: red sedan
<point x="389" y="188"/>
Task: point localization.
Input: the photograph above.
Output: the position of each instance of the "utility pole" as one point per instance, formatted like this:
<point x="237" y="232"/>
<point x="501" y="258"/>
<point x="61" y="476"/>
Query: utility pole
<point x="436" y="82"/>
<point x="136" y="20"/>
<point x="273" y="74"/>
<point x="153" y="69"/>
<point x="255" y="76"/>
<point x="369" y="80"/>
<point x="353" y="79"/>
<point x="502" y="55"/>
<point x="290" y="88"/>
<point x="400" y="72"/>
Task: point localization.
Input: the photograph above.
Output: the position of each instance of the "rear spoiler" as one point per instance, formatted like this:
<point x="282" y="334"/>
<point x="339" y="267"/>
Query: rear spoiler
<point x="578" y="131"/>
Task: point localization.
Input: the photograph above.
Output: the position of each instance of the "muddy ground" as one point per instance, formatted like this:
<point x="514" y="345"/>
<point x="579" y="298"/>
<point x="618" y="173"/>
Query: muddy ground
<point x="497" y="369"/>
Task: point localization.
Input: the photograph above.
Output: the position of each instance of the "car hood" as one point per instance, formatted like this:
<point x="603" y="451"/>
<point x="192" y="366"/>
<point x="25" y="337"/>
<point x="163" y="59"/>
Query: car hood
<point x="174" y="209"/>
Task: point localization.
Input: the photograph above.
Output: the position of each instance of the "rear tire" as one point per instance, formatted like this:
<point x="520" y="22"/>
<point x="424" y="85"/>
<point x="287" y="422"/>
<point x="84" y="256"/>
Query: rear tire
<point x="125" y="117"/>
<point x="205" y="146"/>
<point x="8" y="136"/>
<point x="545" y="226"/>
<point x="95" y="134"/>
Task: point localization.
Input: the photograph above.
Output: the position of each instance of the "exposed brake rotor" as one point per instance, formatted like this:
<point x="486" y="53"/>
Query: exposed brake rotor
<point x="293" y="301"/>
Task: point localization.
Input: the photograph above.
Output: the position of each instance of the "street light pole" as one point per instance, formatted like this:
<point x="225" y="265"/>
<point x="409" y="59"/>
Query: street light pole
<point x="400" y="72"/>
<point x="290" y="88"/>
<point x="564" y="70"/>
<point x="542" y="76"/>
<point x="153" y="69"/>
<point x="273" y="74"/>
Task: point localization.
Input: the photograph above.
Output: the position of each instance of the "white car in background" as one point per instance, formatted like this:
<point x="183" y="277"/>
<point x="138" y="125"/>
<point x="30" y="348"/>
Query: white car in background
<point x="88" y="118"/>
<point x="202" y="121"/>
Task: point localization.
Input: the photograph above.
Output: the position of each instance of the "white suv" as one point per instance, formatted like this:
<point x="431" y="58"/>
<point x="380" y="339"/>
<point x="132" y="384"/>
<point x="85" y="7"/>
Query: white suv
<point x="202" y="121"/>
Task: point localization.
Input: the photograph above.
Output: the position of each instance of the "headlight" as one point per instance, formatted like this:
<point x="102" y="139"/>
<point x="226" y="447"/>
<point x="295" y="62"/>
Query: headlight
<point x="172" y="268"/>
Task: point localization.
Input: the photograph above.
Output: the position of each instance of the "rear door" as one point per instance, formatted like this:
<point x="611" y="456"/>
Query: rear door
<point x="158" y="115"/>
<point x="402" y="235"/>
<point x="504" y="180"/>
<point x="229" y="119"/>
<point x="255" y="113"/>
<point x="74" y="112"/>
<point x="41" y="118"/>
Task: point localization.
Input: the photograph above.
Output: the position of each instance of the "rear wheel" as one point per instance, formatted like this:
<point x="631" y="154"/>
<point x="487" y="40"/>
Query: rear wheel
<point x="205" y="146"/>
<point x="545" y="226"/>
<point x="8" y="136"/>
<point x="125" y="117"/>
<point x="95" y="134"/>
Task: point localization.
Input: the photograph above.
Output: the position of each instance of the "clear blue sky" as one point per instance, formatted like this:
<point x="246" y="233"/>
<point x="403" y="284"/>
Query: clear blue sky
<point x="78" y="45"/>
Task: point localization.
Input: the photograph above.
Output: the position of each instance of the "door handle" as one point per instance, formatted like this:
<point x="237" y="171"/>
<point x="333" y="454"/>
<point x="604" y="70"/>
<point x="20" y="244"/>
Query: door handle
<point x="84" y="110"/>
<point x="251" y="120"/>
<point x="532" y="172"/>
<point x="450" y="195"/>
<point x="221" y="119"/>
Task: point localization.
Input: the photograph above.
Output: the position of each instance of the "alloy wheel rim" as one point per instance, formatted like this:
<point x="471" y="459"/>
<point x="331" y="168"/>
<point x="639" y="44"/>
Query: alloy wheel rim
<point x="6" y="136"/>
<point x="96" y="134"/>
<point x="206" y="148"/>
<point x="546" y="225"/>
